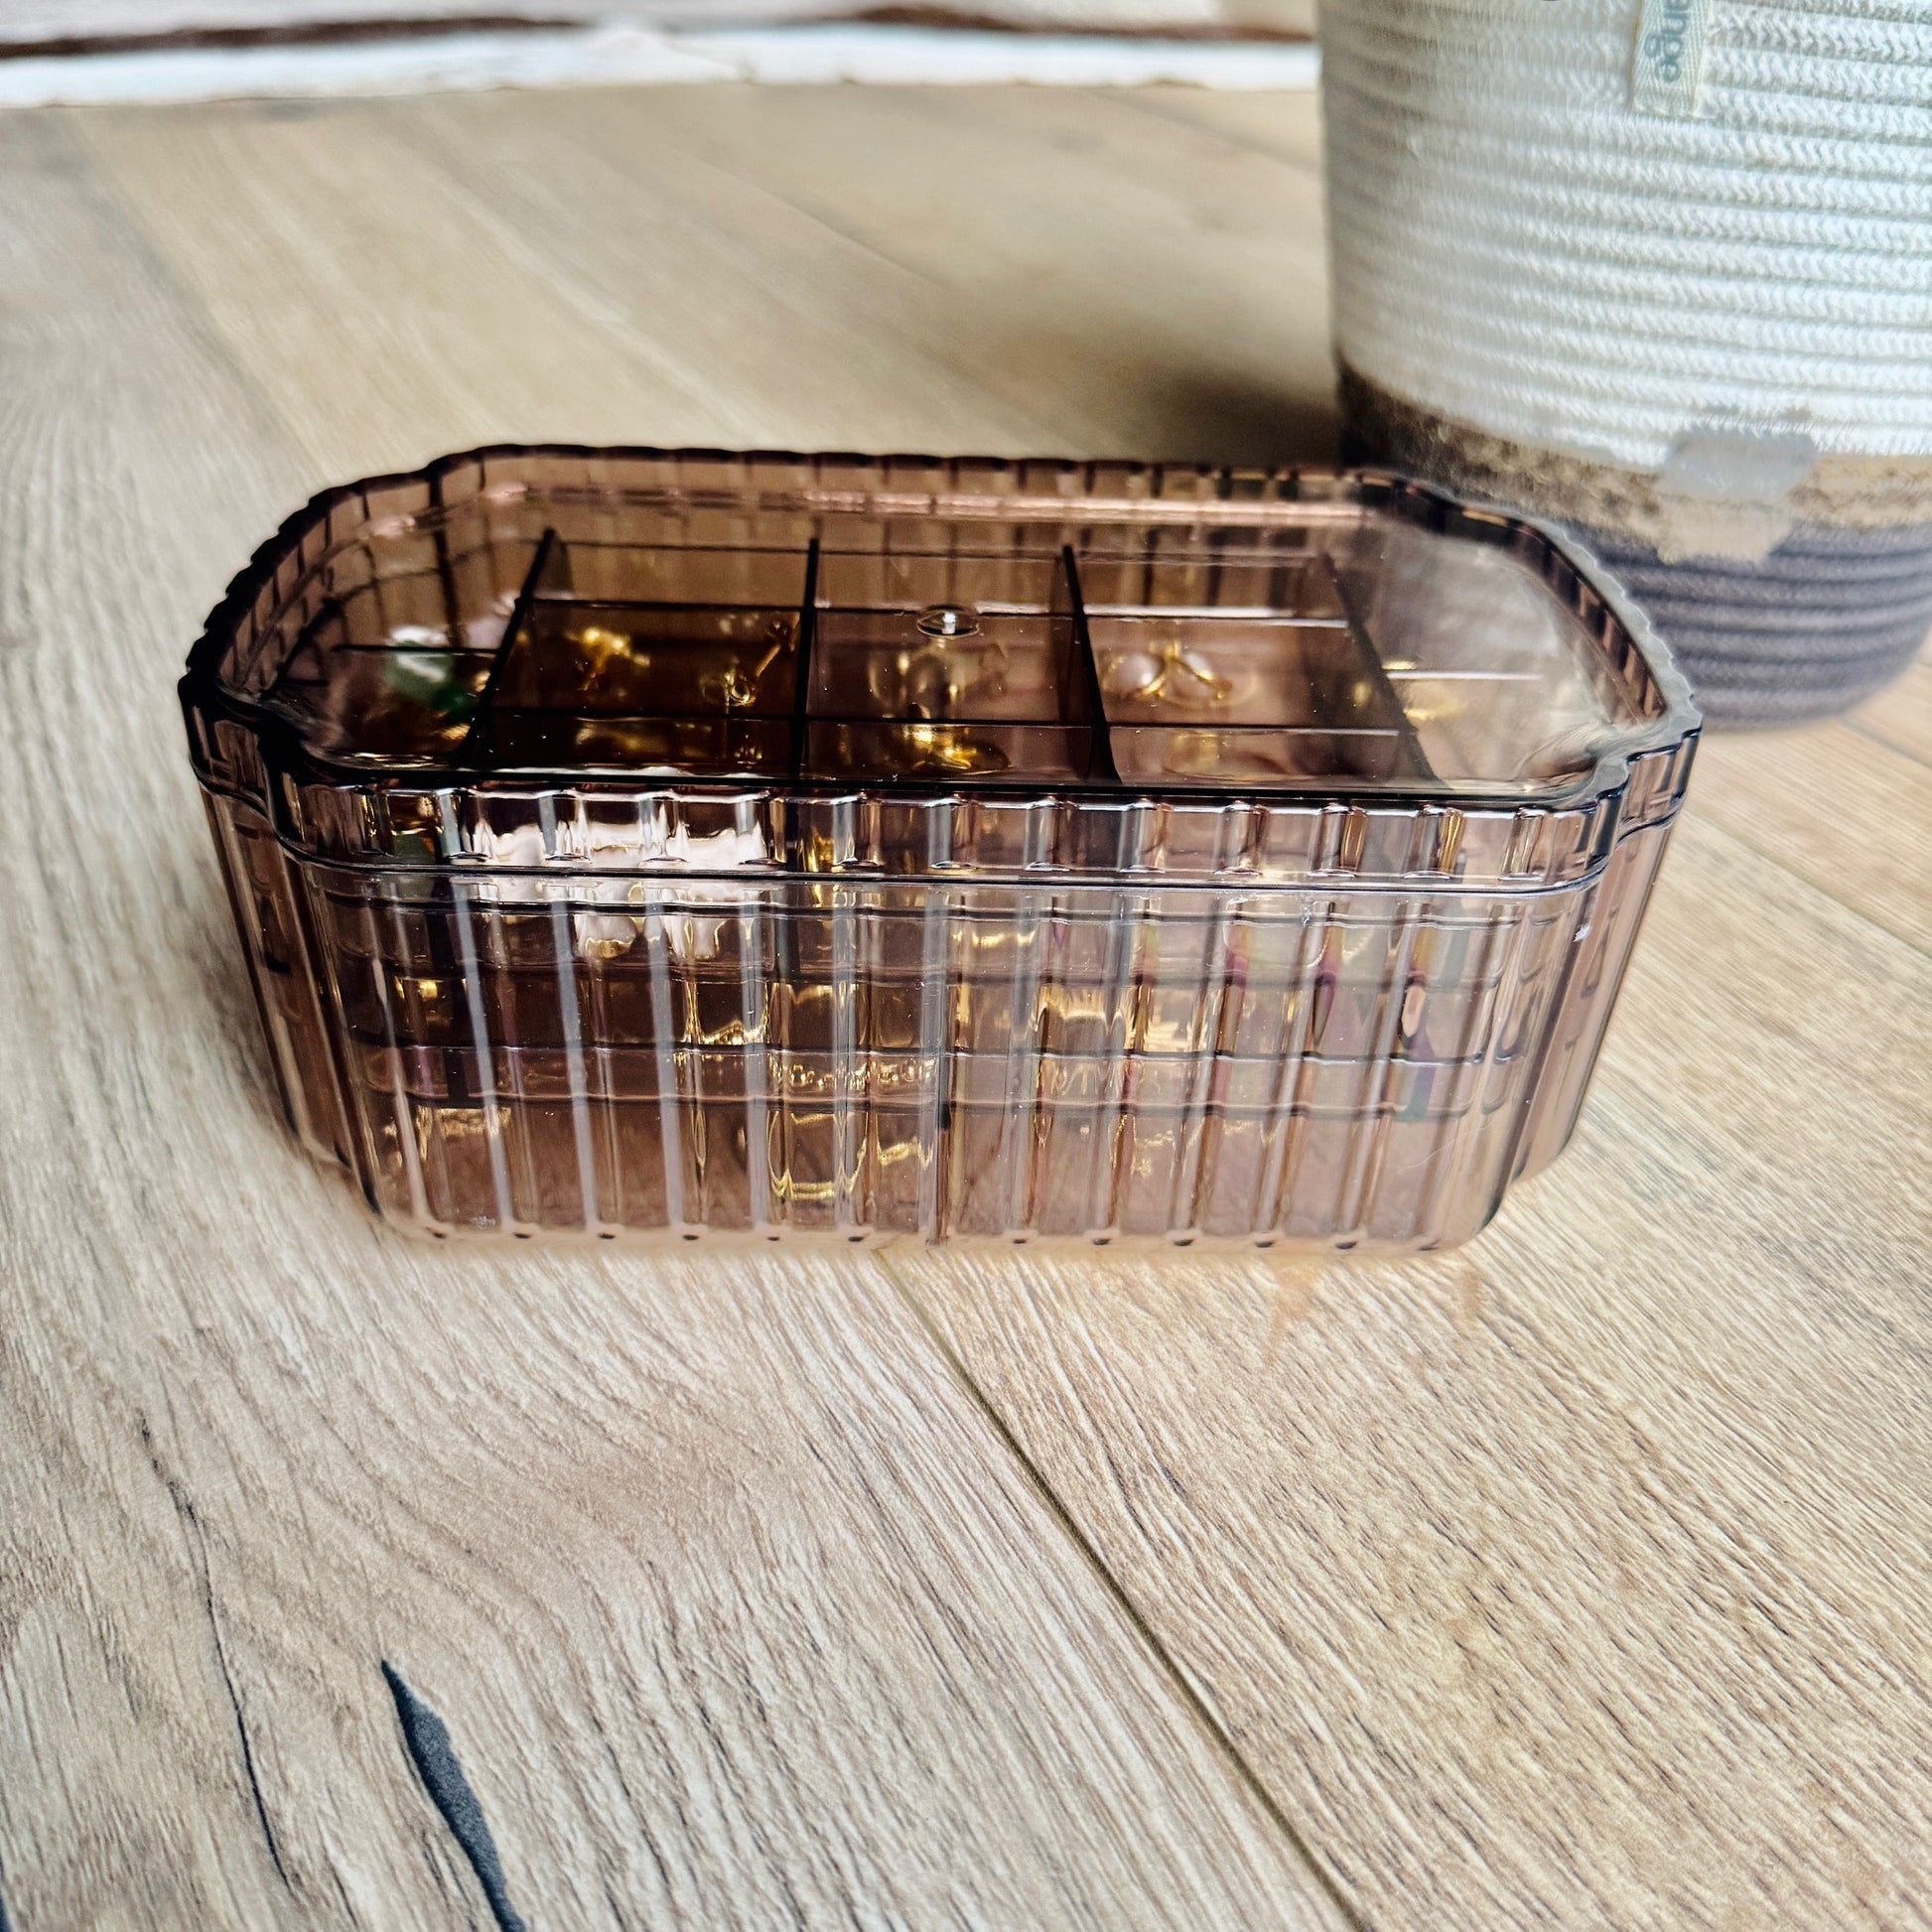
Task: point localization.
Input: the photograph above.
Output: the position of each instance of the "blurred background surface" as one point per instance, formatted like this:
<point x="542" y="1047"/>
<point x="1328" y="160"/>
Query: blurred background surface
<point x="33" y="21"/>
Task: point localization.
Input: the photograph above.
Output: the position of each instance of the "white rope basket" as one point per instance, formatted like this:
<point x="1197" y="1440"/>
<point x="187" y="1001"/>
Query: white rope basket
<point x="1662" y="267"/>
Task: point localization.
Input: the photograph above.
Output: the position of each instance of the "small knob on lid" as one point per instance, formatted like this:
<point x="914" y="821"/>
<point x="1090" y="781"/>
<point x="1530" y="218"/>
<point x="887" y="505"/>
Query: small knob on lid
<point x="949" y="620"/>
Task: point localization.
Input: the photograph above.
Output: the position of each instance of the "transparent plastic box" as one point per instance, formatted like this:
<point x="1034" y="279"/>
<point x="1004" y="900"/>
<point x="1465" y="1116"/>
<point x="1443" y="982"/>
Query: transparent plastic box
<point x="630" y="840"/>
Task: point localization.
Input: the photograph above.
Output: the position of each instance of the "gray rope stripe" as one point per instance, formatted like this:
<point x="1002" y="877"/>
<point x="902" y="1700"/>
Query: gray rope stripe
<point x="1826" y="620"/>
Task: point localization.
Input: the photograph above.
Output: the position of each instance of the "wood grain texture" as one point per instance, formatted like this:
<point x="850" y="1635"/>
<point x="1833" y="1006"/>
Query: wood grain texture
<point x="1847" y="811"/>
<point x="1270" y="124"/>
<point x="1033" y="270"/>
<point x="735" y="1607"/>
<point x="1577" y="1578"/>
<point x="1145" y="289"/>
<point x="1572" y="1579"/>
<point x="1901" y="714"/>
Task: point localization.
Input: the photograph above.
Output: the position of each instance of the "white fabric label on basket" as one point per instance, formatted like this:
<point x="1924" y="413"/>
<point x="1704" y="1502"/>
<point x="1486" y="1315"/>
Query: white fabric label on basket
<point x="1668" y="63"/>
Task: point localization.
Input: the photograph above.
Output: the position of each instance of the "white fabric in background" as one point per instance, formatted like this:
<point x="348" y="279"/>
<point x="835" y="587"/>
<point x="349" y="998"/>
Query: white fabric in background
<point x="46" y="19"/>
<point x="805" y="52"/>
<point x="52" y="19"/>
<point x="1519" y="248"/>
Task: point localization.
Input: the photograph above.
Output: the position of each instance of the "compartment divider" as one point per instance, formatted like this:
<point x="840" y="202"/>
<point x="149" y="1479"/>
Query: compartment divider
<point x="445" y="567"/>
<point x="802" y="687"/>
<point x="476" y="749"/>
<point x="1086" y="678"/>
<point x="1371" y="661"/>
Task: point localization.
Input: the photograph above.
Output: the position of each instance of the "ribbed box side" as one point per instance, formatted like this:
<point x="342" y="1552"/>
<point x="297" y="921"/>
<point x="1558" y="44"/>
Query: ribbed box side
<point x="302" y="1038"/>
<point x="841" y="1058"/>
<point x="1614" y="918"/>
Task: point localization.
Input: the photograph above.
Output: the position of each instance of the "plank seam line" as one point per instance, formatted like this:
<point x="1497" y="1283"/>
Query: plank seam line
<point x="1861" y="730"/>
<point x="241" y="1730"/>
<point x="196" y="1537"/>
<point x="1863" y="914"/>
<point x="1152" y="110"/>
<point x="125" y="223"/>
<point x="1168" y="1662"/>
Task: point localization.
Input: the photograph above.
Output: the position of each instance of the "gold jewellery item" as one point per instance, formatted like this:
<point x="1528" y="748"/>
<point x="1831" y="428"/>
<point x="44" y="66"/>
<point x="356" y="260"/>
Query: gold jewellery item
<point x="735" y="687"/>
<point x="945" y="748"/>
<point x="1171" y="672"/>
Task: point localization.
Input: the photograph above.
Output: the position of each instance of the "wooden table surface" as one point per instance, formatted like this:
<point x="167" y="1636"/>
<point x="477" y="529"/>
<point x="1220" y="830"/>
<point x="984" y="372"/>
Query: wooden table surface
<point x="1578" y="1577"/>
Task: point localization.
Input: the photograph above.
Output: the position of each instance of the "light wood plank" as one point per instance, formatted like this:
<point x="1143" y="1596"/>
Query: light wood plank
<point x="1577" y="1578"/>
<point x="135" y="470"/>
<point x="1901" y="716"/>
<point x="735" y="266"/>
<point x="1284" y="127"/>
<point x="737" y="1611"/>
<point x="1843" y="811"/>
<point x="442" y="325"/>
<point x="1149" y="289"/>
